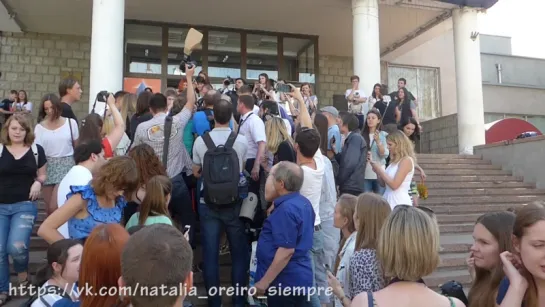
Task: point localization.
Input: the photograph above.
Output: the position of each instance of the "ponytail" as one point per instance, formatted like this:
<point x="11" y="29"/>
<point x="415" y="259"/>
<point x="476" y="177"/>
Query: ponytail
<point x="155" y="201"/>
<point x="91" y="128"/>
<point x="57" y="252"/>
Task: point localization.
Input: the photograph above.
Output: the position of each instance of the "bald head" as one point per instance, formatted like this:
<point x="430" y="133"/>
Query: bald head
<point x="290" y="173"/>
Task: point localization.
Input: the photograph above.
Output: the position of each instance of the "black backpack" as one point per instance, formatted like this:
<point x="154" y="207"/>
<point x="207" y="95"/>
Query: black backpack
<point x="220" y="172"/>
<point x="210" y="117"/>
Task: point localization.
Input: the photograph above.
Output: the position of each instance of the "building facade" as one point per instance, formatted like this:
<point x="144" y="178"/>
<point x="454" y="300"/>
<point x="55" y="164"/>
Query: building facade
<point x="116" y="44"/>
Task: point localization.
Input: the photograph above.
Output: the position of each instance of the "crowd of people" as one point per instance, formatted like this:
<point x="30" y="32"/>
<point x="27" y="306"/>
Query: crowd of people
<point x="302" y="196"/>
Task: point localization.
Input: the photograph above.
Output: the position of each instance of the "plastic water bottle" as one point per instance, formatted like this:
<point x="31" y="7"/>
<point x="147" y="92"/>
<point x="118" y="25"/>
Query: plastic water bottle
<point x="242" y="186"/>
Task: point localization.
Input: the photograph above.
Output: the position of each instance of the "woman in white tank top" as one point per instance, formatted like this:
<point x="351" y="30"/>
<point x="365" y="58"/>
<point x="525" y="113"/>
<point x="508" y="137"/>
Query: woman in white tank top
<point x="398" y="175"/>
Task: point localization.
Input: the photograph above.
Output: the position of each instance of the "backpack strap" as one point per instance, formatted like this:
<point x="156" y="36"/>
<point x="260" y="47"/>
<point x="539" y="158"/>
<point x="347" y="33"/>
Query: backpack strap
<point x="231" y="140"/>
<point x="208" y="141"/>
<point x="167" y="128"/>
<point x="34" y="149"/>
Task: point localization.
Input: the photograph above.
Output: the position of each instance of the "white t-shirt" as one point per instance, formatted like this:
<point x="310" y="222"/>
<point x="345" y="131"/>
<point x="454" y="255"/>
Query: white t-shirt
<point x="57" y="143"/>
<point x="360" y="108"/>
<point x="312" y="184"/>
<point x="253" y="128"/>
<point x="24" y="107"/>
<point x="78" y="175"/>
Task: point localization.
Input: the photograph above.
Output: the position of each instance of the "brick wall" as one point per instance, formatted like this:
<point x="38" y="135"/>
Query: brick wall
<point x="440" y="135"/>
<point x="334" y="78"/>
<point x="35" y="63"/>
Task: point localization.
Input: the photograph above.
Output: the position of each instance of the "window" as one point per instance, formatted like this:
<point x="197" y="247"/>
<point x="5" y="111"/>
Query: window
<point x="176" y="41"/>
<point x="299" y="60"/>
<point x="224" y="56"/>
<point x="422" y="82"/>
<point x="262" y="56"/>
<point x="143" y="49"/>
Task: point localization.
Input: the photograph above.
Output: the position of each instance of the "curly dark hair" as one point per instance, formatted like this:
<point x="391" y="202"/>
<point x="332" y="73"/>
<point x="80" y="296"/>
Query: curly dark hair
<point x="147" y="163"/>
<point x="120" y="173"/>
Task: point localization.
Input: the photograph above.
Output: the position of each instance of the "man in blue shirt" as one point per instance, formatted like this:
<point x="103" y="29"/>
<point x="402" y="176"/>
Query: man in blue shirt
<point x="284" y="268"/>
<point x="333" y="130"/>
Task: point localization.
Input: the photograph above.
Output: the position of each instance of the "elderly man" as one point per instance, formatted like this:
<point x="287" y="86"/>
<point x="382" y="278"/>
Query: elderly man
<point x="283" y="259"/>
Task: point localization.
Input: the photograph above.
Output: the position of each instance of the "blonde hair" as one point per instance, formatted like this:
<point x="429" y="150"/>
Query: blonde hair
<point x="128" y="104"/>
<point x="155" y="201"/>
<point x="347" y="205"/>
<point x="408" y="245"/>
<point x="372" y="211"/>
<point x="276" y="133"/>
<point x="403" y="147"/>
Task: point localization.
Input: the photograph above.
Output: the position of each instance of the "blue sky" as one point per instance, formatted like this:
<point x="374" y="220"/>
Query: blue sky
<point x="520" y="19"/>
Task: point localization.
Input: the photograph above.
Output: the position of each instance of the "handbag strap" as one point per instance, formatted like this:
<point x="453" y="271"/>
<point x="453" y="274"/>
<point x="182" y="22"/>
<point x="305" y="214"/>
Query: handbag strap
<point x="71" y="133"/>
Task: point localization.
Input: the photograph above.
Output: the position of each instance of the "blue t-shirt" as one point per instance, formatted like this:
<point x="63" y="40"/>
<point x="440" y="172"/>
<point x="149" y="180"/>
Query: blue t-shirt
<point x="201" y="125"/>
<point x="334" y="131"/>
<point x="502" y="290"/>
<point x="290" y="225"/>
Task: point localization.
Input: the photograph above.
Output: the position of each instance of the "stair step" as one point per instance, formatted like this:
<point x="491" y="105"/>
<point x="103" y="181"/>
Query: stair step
<point x="447" y="156"/>
<point x="425" y="161"/>
<point x="490" y="185"/>
<point x="469" y="209"/>
<point x="442" y="200"/>
<point x="486" y="192"/>
<point x="452" y="261"/>
<point x="449" y="166"/>
<point x="445" y="177"/>
<point x="457" y="228"/>
<point x="447" y="219"/>
<point x="474" y="172"/>
<point x="438" y="278"/>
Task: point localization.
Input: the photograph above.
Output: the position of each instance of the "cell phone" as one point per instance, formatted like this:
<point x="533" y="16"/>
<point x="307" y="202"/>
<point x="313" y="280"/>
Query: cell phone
<point x="283" y="88"/>
<point x="187" y="228"/>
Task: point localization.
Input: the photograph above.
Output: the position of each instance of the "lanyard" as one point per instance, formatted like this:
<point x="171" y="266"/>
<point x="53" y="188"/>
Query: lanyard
<point x="243" y="121"/>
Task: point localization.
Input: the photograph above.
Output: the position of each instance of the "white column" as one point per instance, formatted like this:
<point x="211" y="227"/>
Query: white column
<point x="106" y="48"/>
<point x="469" y="90"/>
<point x="365" y="40"/>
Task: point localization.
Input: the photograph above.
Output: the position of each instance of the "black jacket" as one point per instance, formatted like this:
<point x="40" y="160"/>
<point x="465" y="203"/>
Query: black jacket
<point x="352" y="162"/>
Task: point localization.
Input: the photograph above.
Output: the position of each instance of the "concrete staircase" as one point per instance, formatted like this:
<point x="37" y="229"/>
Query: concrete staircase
<point x="461" y="188"/>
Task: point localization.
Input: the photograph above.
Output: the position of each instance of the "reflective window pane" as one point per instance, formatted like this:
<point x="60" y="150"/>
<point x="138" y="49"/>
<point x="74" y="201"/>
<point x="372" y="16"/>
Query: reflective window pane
<point x="299" y="60"/>
<point x="224" y="54"/>
<point x="176" y="43"/>
<point x="262" y="56"/>
<point x="143" y="48"/>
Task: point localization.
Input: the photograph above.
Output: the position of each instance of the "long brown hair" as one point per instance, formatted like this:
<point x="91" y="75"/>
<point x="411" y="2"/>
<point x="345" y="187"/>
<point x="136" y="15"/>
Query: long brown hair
<point x="483" y="291"/>
<point x="347" y="205"/>
<point x="155" y="203"/>
<point x="528" y="216"/>
<point x="372" y="211"/>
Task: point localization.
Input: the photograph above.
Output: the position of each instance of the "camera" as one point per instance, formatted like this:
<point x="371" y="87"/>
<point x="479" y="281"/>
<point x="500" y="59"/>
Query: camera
<point x="102" y="96"/>
<point x="228" y="80"/>
<point x="186" y="60"/>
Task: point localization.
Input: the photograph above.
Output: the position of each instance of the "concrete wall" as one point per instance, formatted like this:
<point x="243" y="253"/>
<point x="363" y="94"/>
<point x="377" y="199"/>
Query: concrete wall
<point x="513" y="100"/>
<point x="523" y="157"/>
<point x="516" y="71"/>
<point x="437" y="52"/>
<point x="495" y="44"/>
<point x="440" y="135"/>
<point x="34" y="63"/>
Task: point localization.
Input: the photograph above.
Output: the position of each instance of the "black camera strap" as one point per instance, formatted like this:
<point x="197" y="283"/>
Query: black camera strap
<point x="167" y="128"/>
